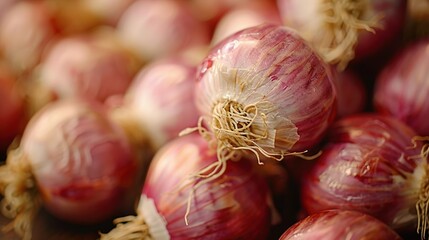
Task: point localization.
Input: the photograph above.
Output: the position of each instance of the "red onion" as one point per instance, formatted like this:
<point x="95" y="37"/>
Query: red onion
<point x="93" y="66"/>
<point x="339" y="225"/>
<point x="72" y="160"/>
<point x="234" y="206"/>
<point x="402" y="88"/>
<point x="264" y="91"/>
<point x="12" y="111"/>
<point x="244" y="16"/>
<point x="351" y="92"/>
<point x="345" y="30"/>
<point x="25" y="31"/>
<point x="159" y="28"/>
<point x="373" y="164"/>
<point x="159" y="102"/>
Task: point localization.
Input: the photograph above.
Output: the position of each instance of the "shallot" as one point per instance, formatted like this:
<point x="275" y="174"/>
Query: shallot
<point x="402" y="87"/>
<point x="339" y="225"/>
<point x="374" y="164"/>
<point x="159" y="102"/>
<point x="94" y="66"/>
<point x="234" y="206"/>
<point x="264" y="91"/>
<point x="158" y="28"/>
<point x="73" y="161"/>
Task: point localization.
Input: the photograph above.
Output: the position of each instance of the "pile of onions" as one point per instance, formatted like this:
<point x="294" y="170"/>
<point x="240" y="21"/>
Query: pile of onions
<point x="348" y="29"/>
<point x="402" y="87"/>
<point x="159" y="102"/>
<point x="25" y="31"/>
<point x="73" y="161"/>
<point x="158" y="28"/>
<point x="93" y="66"/>
<point x="373" y="164"/>
<point x="264" y="92"/>
<point x="12" y="111"/>
<point x="234" y="206"/>
<point x="338" y="225"/>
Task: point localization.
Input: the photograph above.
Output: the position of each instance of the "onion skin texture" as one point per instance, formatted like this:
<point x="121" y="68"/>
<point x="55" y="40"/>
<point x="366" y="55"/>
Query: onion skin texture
<point x="154" y="29"/>
<point x="402" y="87"/>
<point x="83" y="165"/>
<point x="94" y="66"/>
<point x="160" y="100"/>
<point x="369" y="165"/>
<point x="338" y="225"/>
<point x="272" y="66"/>
<point x="26" y="29"/>
<point x="233" y="206"/>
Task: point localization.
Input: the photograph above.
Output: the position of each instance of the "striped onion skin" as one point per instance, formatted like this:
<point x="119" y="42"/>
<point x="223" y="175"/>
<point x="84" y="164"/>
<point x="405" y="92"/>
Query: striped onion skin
<point x="373" y="164"/>
<point x="273" y="77"/>
<point x="402" y="87"/>
<point x="234" y="206"/>
<point x="338" y="225"/>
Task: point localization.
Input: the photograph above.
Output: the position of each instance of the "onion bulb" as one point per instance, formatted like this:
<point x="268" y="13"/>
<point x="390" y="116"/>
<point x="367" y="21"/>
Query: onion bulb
<point x="73" y="161"/>
<point x="158" y="28"/>
<point x="26" y="29"/>
<point x="373" y="164"/>
<point x="344" y="30"/>
<point x="402" y="87"/>
<point x="339" y="225"/>
<point x="234" y="206"/>
<point x="94" y="66"/>
<point x="264" y="91"/>
<point x="159" y="102"/>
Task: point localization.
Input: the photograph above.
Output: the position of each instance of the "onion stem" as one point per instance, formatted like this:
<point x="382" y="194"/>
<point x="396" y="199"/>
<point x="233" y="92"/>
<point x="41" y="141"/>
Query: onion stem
<point x="21" y="199"/>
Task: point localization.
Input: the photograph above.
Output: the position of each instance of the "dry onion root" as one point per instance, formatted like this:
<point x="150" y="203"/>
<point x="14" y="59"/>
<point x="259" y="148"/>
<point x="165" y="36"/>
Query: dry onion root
<point x="344" y="21"/>
<point x="21" y="199"/>
<point x="345" y="30"/>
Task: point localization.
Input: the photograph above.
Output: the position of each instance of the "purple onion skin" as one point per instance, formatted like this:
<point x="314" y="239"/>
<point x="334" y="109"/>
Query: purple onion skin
<point x="368" y="166"/>
<point x="233" y="206"/>
<point x="339" y="225"/>
<point x="402" y="87"/>
<point x="269" y="53"/>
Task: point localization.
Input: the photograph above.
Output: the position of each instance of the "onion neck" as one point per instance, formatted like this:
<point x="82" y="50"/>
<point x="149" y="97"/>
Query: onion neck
<point x="21" y="200"/>
<point x="344" y="20"/>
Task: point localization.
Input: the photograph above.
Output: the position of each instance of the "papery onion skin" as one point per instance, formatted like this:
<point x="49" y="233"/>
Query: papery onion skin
<point x="233" y="206"/>
<point x="273" y="68"/>
<point x="369" y="165"/>
<point x="83" y="165"/>
<point x="402" y="87"/>
<point x="160" y="100"/>
<point x="338" y="225"/>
